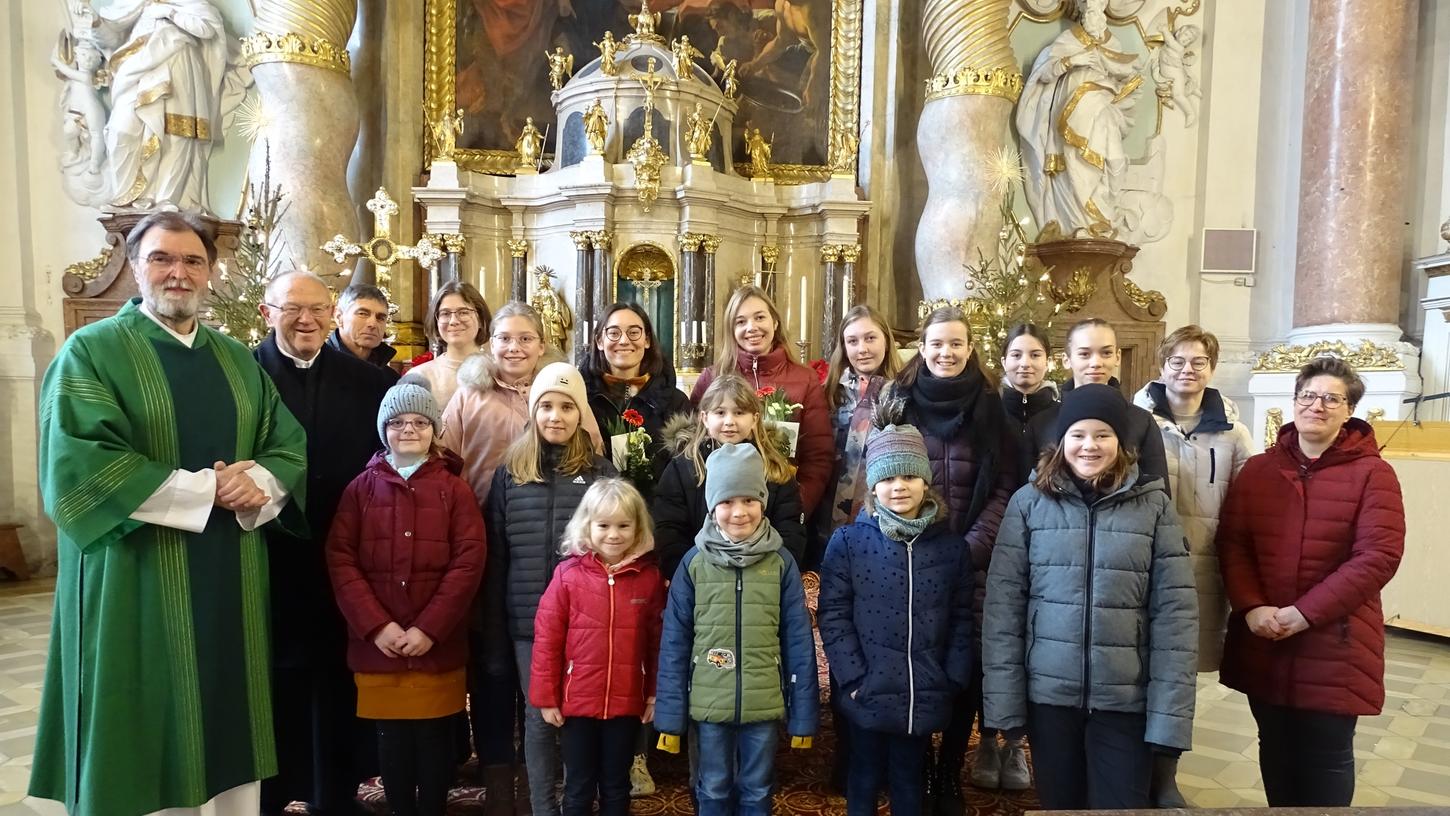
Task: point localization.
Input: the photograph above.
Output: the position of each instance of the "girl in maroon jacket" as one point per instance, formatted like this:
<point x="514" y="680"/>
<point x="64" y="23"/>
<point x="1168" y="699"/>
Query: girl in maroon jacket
<point x="1311" y="530"/>
<point x="405" y="554"/>
<point x="761" y="355"/>
<point x="596" y="645"/>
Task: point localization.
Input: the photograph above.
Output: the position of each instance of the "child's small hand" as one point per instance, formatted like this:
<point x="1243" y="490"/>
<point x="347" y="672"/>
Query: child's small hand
<point x="390" y="640"/>
<point x="649" y="713"/>
<point x="553" y="716"/>
<point x="415" y="643"/>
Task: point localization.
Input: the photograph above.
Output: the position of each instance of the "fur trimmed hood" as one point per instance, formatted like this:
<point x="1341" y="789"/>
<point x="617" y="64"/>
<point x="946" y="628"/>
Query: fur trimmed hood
<point x="480" y="371"/>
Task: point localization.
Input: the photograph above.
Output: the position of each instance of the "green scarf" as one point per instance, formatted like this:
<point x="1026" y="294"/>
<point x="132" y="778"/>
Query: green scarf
<point x="720" y="550"/>
<point x="897" y="528"/>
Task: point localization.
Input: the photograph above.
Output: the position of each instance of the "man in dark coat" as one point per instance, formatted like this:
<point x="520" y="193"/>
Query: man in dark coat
<point x="362" y="326"/>
<point x="321" y="747"/>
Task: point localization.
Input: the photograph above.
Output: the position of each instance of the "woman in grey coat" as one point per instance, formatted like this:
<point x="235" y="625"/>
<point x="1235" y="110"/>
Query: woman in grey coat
<point x="1090" y="632"/>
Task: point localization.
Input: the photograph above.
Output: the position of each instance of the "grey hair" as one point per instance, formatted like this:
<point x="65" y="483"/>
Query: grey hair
<point x="275" y="284"/>
<point x="360" y="291"/>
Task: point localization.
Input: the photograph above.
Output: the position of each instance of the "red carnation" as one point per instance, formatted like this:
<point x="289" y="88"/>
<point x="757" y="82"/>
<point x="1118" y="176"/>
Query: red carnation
<point x="765" y="392"/>
<point x="421" y="359"/>
<point x="822" y="368"/>
<point x="633" y="417"/>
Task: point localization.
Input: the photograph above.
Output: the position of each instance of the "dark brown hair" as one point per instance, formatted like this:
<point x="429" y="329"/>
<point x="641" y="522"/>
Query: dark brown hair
<point x="653" y="363"/>
<point x="944" y="314"/>
<point x="171" y="221"/>
<point x="473" y="298"/>
<point x="1192" y="333"/>
<point x="1053" y="471"/>
<point x="1083" y="324"/>
<point x="1332" y="367"/>
<point x="1028" y="330"/>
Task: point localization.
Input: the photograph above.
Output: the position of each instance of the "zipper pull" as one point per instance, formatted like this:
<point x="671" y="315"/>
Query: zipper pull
<point x="739" y="585"/>
<point x="611" y="580"/>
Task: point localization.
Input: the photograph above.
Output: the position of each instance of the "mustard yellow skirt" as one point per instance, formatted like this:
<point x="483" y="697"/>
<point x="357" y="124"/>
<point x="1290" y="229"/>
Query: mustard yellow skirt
<point x="410" y="695"/>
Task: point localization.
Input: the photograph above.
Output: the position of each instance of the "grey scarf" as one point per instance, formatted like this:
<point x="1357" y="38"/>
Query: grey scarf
<point x="897" y="528"/>
<point x="720" y="550"/>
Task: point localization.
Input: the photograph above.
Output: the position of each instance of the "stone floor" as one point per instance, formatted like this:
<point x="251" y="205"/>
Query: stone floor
<point x="1404" y="754"/>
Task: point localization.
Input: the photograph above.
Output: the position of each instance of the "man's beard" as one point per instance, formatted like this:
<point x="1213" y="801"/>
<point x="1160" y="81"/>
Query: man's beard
<point x="173" y="307"/>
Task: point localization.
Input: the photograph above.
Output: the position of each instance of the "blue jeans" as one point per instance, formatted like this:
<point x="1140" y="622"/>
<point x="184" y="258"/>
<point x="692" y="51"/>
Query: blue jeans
<point x="541" y="743"/>
<point x="899" y="760"/>
<point x="736" y="766"/>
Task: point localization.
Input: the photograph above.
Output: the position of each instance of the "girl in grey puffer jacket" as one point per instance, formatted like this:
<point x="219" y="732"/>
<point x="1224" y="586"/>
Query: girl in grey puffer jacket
<point x="1091" y="623"/>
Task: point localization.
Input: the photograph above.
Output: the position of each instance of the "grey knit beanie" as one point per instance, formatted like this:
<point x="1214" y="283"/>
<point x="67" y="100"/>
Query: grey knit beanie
<point x="896" y="450"/>
<point x="733" y="471"/>
<point x="407" y="398"/>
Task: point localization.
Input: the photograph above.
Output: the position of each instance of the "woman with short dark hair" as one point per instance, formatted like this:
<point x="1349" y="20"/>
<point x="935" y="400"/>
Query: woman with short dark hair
<point x="1311" y="531"/>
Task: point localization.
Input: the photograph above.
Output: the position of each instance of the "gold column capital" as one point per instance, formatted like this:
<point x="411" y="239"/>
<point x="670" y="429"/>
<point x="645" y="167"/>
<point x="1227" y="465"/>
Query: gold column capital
<point x="850" y="253"/>
<point x="318" y="52"/>
<point x="601" y="238"/>
<point x="831" y="253"/>
<point x="453" y="242"/>
<point x="581" y="240"/>
<point x="710" y="243"/>
<point x="518" y="247"/>
<point x="770" y="253"/>
<point x="690" y="241"/>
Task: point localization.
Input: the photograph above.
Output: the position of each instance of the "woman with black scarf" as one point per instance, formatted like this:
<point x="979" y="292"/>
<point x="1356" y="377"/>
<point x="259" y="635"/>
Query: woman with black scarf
<point x="951" y="399"/>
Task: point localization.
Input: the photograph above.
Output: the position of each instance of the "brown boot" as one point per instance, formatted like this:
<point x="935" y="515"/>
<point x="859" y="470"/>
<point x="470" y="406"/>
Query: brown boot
<point x="498" y="781"/>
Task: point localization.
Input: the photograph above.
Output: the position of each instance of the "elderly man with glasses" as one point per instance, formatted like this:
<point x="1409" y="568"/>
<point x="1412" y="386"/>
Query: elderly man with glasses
<point x="322" y="752"/>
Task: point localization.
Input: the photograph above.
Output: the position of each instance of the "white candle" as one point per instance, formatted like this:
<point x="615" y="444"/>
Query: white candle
<point x="803" y="309"/>
<point x="684" y="333"/>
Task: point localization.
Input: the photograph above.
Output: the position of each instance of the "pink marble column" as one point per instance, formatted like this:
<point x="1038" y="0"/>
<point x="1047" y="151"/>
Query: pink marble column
<point x="1357" y="97"/>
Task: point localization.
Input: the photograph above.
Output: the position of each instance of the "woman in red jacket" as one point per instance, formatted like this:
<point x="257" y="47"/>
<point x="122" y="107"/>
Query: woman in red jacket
<point x="1311" y="530"/>
<point x="596" y="645"/>
<point x="405" y="554"/>
<point x="763" y="358"/>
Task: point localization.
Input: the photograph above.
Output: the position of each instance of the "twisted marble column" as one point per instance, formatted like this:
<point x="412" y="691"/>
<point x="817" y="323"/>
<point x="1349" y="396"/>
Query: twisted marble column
<point x="298" y="56"/>
<point x="1357" y="117"/>
<point x="974" y="84"/>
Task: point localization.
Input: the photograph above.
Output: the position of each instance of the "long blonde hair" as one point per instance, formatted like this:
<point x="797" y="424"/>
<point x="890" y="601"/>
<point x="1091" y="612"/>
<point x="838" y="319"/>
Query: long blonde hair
<point x="725" y="356"/>
<point x="890" y="367"/>
<point x="602" y="497"/>
<point x="733" y="389"/>
<point x="525" y="455"/>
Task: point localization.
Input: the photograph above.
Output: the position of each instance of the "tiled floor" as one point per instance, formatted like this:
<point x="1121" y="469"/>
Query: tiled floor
<point x="1404" y="754"/>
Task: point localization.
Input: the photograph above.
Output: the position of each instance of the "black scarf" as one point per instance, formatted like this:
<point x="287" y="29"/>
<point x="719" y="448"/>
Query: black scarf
<point x="943" y="404"/>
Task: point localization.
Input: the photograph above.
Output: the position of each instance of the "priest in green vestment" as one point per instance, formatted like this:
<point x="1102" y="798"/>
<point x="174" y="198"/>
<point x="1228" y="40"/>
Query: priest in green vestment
<point x="164" y="448"/>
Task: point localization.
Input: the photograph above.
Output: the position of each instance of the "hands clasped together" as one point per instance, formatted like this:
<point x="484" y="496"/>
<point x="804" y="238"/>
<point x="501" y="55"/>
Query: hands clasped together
<point x="393" y="641"/>
<point x="235" y="490"/>
<point x="1276" y="622"/>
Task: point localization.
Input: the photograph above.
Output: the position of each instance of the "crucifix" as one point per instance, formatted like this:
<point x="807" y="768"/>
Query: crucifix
<point x="381" y="249"/>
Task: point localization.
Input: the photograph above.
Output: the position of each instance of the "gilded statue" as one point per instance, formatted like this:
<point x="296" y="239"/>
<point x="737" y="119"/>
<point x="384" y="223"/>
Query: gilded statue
<point x="595" y="127"/>
<point x="844" y="146"/>
<point x="729" y="81"/>
<point x="445" y="135"/>
<point x="1074" y="114"/>
<point x="608" y="48"/>
<point x="553" y="311"/>
<point x="561" y="66"/>
<point x="644" y="23"/>
<point x="530" y="145"/>
<point x="684" y="57"/>
<point x="651" y="82"/>
<point x="697" y="135"/>
<point x="759" y="151"/>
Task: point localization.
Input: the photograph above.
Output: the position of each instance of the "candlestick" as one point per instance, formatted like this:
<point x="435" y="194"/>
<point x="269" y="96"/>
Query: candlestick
<point x="803" y="310"/>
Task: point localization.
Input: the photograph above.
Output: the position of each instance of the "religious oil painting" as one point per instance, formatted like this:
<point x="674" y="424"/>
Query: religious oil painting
<point x="781" y="51"/>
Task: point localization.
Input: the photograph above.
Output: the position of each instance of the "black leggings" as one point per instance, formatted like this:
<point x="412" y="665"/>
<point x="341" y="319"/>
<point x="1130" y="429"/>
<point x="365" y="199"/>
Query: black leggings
<point x="966" y="708"/>
<point x="416" y="758"/>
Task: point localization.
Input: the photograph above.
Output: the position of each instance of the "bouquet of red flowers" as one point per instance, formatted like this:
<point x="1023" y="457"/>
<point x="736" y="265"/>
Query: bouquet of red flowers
<point x="777" y="407"/>
<point x="823" y="369"/>
<point x="629" y="448"/>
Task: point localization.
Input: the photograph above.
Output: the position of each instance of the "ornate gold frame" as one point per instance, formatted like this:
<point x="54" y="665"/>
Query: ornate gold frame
<point x="440" y="70"/>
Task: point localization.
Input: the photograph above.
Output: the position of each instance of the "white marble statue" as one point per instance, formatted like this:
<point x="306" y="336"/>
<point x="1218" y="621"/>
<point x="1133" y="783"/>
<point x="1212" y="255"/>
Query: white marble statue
<point x="1075" y="110"/>
<point x="170" y="83"/>
<point x="1174" y="65"/>
<point x="79" y="62"/>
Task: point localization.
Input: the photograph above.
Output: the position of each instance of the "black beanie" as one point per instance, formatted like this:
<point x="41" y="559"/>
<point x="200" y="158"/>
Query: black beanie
<point x="1093" y="401"/>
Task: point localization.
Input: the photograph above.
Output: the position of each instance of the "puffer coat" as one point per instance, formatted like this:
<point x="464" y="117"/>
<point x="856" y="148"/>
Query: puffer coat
<point x="1030" y="418"/>
<point x="411" y="552"/>
<point x="1323" y="536"/>
<point x="525" y="523"/>
<point x="1093" y="607"/>
<point x="1202" y="462"/>
<point x="597" y="638"/>
<point x="1141" y="435"/>
<point x="656" y="402"/>
<point x="896" y="624"/>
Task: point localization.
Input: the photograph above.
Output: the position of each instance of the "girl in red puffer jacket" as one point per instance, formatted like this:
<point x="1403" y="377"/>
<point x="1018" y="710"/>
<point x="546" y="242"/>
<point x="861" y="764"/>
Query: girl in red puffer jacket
<point x="405" y="554"/>
<point x="596" y="645"/>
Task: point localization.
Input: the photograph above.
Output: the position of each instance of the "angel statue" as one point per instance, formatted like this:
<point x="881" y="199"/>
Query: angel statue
<point x="697" y="135"/>
<point x="1173" y="64"/>
<point x="608" y="48"/>
<point x="759" y="151"/>
<point x="684" y="57"/>
<point x="729" y="82"/>
<point x="445" y="135"/>
<point x="78" y="60"/>
<point x="530" y="146"/>
<point x="595" y="127"/>
<point x="553" y="312"/>
<point x="561" y="66"/>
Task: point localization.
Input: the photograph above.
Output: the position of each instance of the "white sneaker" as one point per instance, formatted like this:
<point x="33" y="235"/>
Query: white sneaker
<point x="640" y="782"/>
<point x="1016" y="776"/>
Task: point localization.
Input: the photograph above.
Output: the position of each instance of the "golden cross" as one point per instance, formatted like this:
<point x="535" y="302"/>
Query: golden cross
<point x="381" y="249"/>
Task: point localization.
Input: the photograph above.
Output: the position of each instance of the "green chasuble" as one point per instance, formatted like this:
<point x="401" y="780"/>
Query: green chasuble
<point x="157" y="689"/>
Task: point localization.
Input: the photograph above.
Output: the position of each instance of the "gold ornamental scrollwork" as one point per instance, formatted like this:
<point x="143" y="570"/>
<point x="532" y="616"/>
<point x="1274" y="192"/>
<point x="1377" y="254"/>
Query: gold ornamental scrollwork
<point x="291" y="47"/>
<point x="1151" y="301"/>
<point x="770" y="254"/>
<point x="1001" y="82"/>
<point x="89" y="270"/>
<point x="1367" y="356"/>
<point x="518" y="247"/>
<point x="1273" y="421"/>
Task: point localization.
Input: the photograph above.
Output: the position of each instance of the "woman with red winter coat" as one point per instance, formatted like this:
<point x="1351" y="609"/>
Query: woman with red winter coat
<point x="762" y="356"/>
<point x="596" y="645"/>
<point x="1311" y="530"/>
<point x="405" y="554"/>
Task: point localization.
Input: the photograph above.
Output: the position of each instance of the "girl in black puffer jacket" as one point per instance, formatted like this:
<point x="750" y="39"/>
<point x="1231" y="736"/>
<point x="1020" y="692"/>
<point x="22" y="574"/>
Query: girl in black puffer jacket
<point x="729" y="412"/>
<point x="544" y="476"/>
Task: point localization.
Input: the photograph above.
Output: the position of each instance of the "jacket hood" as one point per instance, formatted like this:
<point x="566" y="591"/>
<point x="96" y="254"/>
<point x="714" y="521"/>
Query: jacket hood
<point x="1356" y="440"/>
<point x="447" y="460"/>
<point x="633" y="561"/>
<point x="480" y="371"/>
<point x="1219" y="412"/>
<point x="676" y="430"/>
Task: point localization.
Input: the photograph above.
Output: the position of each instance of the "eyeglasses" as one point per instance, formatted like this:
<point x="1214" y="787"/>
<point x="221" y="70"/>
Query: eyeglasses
<point x="398" y="424"/>
<point x="164" y="260"/>
<point x="292" y="311"/>
<point x="520" y="340"/>
<point x="633" y="333"/>
<point x="1197" y="363"/>
<point x="1331" y="401"/>
<point x="461" y="315"/>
